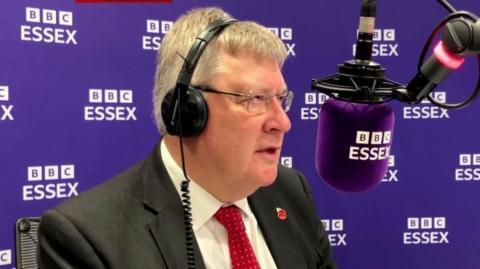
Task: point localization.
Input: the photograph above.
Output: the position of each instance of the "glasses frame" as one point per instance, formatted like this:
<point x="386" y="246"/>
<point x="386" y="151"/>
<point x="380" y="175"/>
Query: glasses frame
<point x="267" y="98"/>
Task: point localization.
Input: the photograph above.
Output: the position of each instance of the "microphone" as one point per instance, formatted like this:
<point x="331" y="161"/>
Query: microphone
<point x="353" y="144"/>
<point x="355" y="125"/>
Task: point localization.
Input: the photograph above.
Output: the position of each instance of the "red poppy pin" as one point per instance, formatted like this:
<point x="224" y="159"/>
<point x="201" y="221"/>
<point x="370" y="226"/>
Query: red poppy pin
<point x="281" y="213"/>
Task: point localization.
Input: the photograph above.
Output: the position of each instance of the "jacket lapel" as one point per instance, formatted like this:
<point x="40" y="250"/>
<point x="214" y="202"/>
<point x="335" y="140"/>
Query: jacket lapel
<point x="167" y="227"/>
<point x="278" y="233"/>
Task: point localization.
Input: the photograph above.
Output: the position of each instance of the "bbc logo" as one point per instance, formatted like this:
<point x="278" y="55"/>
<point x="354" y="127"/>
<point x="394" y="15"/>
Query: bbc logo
<point x="286" y="161"/>
<point x="282" y="33"/>
<point x="48" y="16"/>
<point x="426" y="223"/>
<point x="373" y="138"/>
<point x="5" y="257"/>
<point x="156" y="26"/>
<point x="385" y="35"/>
<point x="51" y="172"/>
<point x="333" y="225"/>
<point x="4" y="93"/>
<point x="312" y="98"/>
<point x="440" y="96"/>
<point x="469" y="159"/>
<point x="110" y="96"/>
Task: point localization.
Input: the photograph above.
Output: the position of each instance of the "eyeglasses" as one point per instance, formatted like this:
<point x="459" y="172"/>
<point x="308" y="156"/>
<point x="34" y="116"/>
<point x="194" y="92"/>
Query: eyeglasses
<point x="257" y="103"/>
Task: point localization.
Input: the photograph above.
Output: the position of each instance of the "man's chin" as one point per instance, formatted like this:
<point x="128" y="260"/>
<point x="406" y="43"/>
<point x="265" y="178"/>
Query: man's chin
<point x="268" y="176"/>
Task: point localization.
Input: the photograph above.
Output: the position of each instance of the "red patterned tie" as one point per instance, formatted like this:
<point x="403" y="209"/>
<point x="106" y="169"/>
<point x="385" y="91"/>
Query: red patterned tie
<point x="241" y="251"/>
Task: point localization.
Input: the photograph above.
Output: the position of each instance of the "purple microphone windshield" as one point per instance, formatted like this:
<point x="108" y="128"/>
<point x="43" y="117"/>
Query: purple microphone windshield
<point x="353" y="144"/>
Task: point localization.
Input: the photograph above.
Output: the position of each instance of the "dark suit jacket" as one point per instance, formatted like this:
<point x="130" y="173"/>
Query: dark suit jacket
<point x="135" y="220"/>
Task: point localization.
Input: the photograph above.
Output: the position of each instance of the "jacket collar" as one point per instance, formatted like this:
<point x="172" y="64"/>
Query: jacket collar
<point x="267" y="205"/>
<point x="167" y="227"/>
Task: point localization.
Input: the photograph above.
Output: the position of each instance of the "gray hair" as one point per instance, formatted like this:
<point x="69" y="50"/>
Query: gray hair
<point x="243" y="36"/>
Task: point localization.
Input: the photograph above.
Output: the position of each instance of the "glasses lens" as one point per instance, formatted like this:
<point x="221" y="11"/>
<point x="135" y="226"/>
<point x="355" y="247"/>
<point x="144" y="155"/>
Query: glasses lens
<point x="259" y="103"/>
<point x="256" y="104"/>
<point x="286" y="100"/>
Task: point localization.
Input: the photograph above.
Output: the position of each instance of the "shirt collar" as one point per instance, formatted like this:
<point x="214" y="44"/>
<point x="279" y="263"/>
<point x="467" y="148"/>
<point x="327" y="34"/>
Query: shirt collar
<point x="204" y="205"/>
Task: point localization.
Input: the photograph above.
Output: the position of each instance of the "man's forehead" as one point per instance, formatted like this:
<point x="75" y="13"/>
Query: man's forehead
<point x="256" y="87"/>
<point x="244" y="72"/>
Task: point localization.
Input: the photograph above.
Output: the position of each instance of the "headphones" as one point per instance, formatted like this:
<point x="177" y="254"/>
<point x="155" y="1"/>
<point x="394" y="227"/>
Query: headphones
<point x="184" y="109"/>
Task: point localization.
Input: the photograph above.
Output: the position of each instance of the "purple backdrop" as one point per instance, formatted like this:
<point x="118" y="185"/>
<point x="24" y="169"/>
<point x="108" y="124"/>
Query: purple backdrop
<point x="62" y="65"/>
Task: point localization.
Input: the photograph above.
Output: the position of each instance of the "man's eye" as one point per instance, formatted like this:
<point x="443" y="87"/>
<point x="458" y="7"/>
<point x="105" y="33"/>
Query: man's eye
<point x="245" y="100"/>
<point x="258" y="98"/>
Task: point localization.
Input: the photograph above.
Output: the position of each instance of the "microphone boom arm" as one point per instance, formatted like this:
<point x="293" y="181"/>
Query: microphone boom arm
<point x="363" y="81"/>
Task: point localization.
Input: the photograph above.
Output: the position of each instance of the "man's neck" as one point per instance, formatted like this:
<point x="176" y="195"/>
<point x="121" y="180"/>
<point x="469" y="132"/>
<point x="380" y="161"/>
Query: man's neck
<point x="200" y="170"/>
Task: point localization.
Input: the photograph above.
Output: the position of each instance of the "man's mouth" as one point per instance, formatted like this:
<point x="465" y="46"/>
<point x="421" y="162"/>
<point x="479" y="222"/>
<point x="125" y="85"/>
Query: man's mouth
<point x="269" y="150"/>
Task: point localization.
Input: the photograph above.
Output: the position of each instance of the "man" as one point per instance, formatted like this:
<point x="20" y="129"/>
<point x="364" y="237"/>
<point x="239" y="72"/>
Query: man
<point x="136" y="219"/>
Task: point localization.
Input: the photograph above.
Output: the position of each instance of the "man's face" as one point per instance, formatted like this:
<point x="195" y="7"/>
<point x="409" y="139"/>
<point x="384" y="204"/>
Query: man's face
<point x="242" y="148"/>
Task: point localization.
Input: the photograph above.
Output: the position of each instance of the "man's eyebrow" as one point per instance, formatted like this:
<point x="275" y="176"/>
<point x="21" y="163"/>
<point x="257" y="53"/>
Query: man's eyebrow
<point x="246" y="87"/>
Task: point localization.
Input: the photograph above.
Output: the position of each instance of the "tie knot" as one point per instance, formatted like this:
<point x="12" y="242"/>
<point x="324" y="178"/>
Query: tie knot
<point x="229" y="217"/>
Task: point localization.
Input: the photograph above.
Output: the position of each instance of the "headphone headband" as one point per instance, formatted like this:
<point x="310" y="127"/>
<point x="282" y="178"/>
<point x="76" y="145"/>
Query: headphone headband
<point x="198" y="47"/>
<point x="184" y="109"/>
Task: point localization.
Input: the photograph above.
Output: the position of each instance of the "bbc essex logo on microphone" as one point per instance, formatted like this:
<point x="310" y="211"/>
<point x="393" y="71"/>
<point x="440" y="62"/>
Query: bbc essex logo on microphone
<point x="370" y="146"/>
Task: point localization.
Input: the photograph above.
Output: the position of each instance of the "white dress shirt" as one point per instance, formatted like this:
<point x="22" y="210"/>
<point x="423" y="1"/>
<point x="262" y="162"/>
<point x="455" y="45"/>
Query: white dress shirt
<point x="210" y="234"/>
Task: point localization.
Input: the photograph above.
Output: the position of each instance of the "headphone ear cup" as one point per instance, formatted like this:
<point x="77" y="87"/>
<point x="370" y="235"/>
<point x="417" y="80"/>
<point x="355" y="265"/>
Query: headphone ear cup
<point x="194" y="113"/>
<point x="169" y="104"/>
